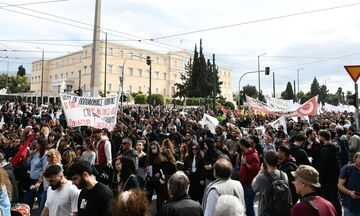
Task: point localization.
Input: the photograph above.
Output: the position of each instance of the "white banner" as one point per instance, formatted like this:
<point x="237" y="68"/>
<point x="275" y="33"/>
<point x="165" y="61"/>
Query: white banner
<point x="89" y="111"/>
<point x="280" y="121"/>
<point x="210" y="121"/>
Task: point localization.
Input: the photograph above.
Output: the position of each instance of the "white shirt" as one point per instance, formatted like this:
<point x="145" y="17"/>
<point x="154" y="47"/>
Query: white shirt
<point x="62" y="201"/>
<point x="193" y="165"/>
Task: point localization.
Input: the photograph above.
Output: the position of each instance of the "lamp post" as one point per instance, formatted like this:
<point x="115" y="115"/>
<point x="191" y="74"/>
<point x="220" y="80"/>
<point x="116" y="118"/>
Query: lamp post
<point x="298" y="88"/>
<point x="121" y="89"/>
<point x="105" y="63"/>
<point x="259" y="71"/>
<point x="42" y="76"/>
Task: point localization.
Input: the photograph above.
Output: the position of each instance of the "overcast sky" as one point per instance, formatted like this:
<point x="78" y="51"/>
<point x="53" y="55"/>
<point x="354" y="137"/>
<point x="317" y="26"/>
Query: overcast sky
<point x="321" y="43"/>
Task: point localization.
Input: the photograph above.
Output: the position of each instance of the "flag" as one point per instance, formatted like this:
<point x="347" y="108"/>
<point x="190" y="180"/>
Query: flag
<point x="279" y="121"/>
<point x="221" y="117"/>
<point x="236" y="113"/>
<point x="243" y="111"/>
<point x="21" y="155"/>
<point x="223" y="109"/>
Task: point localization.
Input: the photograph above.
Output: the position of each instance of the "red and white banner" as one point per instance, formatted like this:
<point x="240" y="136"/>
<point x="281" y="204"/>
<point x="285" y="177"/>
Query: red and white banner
<point x="308" y="108"/>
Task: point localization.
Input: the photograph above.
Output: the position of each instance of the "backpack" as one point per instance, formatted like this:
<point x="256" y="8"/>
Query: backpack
<point x="280" y="196"/>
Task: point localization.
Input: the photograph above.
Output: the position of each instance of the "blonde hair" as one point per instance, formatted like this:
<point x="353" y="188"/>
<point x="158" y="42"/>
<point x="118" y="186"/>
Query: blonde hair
<point x="4" y="180"/>
<point x="55" y="156"/>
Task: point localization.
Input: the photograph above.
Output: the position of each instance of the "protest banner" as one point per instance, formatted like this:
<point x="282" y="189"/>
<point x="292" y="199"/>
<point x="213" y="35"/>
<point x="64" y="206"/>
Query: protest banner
<point x="88" y="111"/>
<point x="308" y="108"/>
<point x="210" y="121"/>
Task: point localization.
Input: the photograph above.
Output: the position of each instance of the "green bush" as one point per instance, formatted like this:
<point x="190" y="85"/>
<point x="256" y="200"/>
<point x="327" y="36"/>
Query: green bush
<point x="157" y="99"/>
<point x="230" y="105"/>
<point x="140" y="99"/>
<point x="168" y="101"/>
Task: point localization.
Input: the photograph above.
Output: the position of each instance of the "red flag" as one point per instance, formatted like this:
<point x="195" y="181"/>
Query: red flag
<point x="236" y="113"/>
<point x="308" y="108"/>
<point x="21" y="155"/>
<point x="223" y="110"/>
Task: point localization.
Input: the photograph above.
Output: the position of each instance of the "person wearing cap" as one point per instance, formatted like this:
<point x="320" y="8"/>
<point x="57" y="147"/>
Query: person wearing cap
<point x="306" y="183"/>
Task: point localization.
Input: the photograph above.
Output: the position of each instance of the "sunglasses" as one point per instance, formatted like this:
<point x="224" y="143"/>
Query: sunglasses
<point x="124" y="143"/>
<point x="195" y="149"/>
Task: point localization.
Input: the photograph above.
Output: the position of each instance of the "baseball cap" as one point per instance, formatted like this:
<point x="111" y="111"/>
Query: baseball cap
<point x="308" y="175"/>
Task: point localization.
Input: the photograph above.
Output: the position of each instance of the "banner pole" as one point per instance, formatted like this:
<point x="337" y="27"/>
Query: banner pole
<point x="356" y="106"/>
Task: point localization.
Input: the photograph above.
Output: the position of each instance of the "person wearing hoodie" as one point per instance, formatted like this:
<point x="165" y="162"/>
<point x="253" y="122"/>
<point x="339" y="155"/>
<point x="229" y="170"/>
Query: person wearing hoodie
<point x="287" y="164"/>
<point x="329" y="171"/>
<point x="210" y="158"/>
<point x="250" y="166"/>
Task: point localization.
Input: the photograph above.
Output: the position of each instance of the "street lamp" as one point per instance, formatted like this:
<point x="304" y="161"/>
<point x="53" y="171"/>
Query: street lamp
<point x="42" y="75"/>
<point x="121" y="89"/>
<point x="298" y="78"/>
<point x="259" y="70"/>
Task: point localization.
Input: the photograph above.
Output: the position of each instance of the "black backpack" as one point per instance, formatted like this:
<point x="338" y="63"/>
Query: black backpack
<point x="280" y="196"/>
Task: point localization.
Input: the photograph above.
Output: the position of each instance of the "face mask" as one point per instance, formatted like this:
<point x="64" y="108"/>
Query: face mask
<point x="154" y="151"/>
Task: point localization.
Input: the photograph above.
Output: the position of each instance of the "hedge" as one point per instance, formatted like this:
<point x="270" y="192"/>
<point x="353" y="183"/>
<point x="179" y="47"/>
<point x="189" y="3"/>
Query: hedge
<point x="140" y="99"/>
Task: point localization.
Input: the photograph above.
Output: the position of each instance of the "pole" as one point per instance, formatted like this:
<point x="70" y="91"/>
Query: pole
<point x="150" y="99"/>
<point x="262" y="71"/>
<point x="294" y="96"/>
<point x="7" y="76"/>
<point x="214" y="84"/>
<point x="122" y="87"/>
<point x="79" y="79"/>
<point x="356" y="106"/>
<point x="259" y="75"/>
<point x="94" y="81"/>
<point x="42" y="77"/>
<point x="274" y="84"/>
<point x="105" y="64"/>
<point x="298" y="80"/>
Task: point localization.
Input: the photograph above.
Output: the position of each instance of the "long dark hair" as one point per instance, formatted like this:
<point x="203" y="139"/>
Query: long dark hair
<point x="127" y="167"/>
<point x="42" y="142"/>
<point x="90" y="144"/>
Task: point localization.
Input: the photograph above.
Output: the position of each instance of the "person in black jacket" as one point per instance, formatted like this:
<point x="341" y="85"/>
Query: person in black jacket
<point x="297" y="152"/>
<point x="210" y="158"/>
<point x="194" y="169"/>
<point x="313" y="147"/>
<point x="180" y="203"/>
<point x="329" y="170"/>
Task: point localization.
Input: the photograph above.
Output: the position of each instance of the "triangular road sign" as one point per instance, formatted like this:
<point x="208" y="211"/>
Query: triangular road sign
<point x="354" y="71"/>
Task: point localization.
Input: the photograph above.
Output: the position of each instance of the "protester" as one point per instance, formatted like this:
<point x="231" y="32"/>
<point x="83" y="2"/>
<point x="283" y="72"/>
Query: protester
<point x="306" y="183"/>
<point x="94" y="197"/>
<point x="354" y="142"/>
<point x="180" y="203"/>
<point x="5" y="192"/>
<point x="210" y="157"/>
<point x="349" y="185"/>
<point x="250" y="166"/>
<point x="297" y="151"/>
<point x="90" y="152"/>
<point x="130" y="203"/>
<point x="329" y="171"/>
<point x="62" y="196"/>
<point x="228" y="205"/>
<point x="223" y="185"/>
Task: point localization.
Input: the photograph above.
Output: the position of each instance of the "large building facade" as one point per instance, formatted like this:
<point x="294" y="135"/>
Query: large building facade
<point x="67" y="73"/>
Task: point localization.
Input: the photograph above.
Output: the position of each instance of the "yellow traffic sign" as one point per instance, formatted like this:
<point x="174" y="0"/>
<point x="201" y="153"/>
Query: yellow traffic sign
<point x="353" y="71"/>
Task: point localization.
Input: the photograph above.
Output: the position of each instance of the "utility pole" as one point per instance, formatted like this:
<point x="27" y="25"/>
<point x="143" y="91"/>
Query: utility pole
<point x="214" y="84"/>
<point x="79" y="79"/>
<point x="42" y="76"/>
<point x="259" y="73"/>
<point x="356" y="106"/>
<point x="148" y="62"/>
<point x="122" y="78"/>
<point x="7" y="76"/>
<point x="94" y="81"/>
<point x="298" y="81"/>
<point x="274" y="84"/>
<point x="105" y="64"/>
<point x="294" y="96"/>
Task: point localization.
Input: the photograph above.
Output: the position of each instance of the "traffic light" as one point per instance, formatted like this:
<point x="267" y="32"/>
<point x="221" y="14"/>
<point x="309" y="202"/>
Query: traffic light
<point x="123" y="98"/>
<point x="267" y="70"/>
<point x="148" y="60"/>
<point x="78" y="92"/>
<point x="352" y="99"/>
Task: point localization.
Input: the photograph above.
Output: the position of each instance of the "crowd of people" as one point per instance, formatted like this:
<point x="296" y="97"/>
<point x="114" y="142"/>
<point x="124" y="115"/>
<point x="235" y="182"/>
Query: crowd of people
<point x="306" y="167"/>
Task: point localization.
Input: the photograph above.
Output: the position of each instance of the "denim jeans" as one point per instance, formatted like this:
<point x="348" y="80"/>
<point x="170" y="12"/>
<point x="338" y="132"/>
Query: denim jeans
<point x="249" y="200"/>
<point x="348" y="213"/>
<point x="30" y="195"/>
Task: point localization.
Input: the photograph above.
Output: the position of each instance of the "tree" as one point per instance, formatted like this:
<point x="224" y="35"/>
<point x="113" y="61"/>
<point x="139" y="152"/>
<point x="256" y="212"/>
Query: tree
<point x="315" y="88"/>
<point x="262" y="97"/>
<point x="182" y="89"/>
<point x="323" y="94"/>
<point x="18" y="84"/>
<point x="302" y="97"/>
<point x="21" y="71"/>
<point x="288" y="94"/>
<point x="248" y="90"/>
<point x="332" y="99"/>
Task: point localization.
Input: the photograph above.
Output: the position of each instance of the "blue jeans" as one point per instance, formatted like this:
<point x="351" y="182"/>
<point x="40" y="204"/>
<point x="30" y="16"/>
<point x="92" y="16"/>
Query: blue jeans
<point x="347" y="212"/>
<point x="249" y="200"/>
<point x="43" y="200"/>
<point x="30" y="195"/>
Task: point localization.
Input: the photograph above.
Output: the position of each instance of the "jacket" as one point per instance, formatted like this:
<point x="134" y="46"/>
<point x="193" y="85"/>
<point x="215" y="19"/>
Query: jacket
<point x="210" y="157"/>
<point x="181" y="207"/>
<point x="328" y="165"/>
<point x="247" y="174"/>
<point x="300" y="155"/>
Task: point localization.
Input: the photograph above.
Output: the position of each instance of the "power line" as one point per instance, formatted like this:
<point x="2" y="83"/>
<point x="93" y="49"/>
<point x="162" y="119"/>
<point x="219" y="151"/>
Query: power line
<point x="254" y="21"/>
<point x="34" y="3"/>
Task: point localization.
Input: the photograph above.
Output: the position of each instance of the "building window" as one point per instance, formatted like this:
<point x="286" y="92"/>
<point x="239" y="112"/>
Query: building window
<point x="140" y="72"/>
<point x="130" y="88"/>
<point x="120" y="69"/>
<point x="165" y="61"/>
<point x="121" y="53"/>
<point x="110" y="51"/>
<point x="157" y="74"/>
<point x="109" y="87"/>
<point x="72" y="74"/>
<point x="131" y="55"/>
<point x="131" y="71"/>
<point x="139" y="89"/>
<point x="157" y="60"/>
<point x="61" y="76"/>
<point x="175" y="77"/>
<point x="175" y="63"/>
<point x="141" y="57"/>
<point x="73" y="60"/>
<point x="56" y="77"/>
<point x="109" y="68"/>
<point x="50" y="77"/>
<point x="165" y="76"/>
<point x="157" y="90"/>
<point x="164" y="91"/>
<point x="79" y="58"/>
